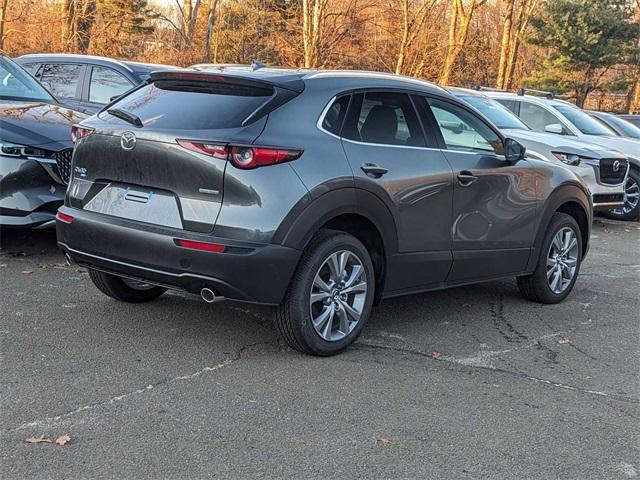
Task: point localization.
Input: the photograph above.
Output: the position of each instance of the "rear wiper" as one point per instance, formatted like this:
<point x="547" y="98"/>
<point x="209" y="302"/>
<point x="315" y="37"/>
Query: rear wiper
<point x="126" y="116"/>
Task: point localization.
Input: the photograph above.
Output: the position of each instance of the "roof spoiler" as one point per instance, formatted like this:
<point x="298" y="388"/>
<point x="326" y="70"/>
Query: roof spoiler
<point x="295" y="85"/>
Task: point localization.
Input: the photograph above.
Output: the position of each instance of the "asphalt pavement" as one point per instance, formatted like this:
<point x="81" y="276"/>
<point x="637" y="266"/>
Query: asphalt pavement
<point x="469" y="383"/>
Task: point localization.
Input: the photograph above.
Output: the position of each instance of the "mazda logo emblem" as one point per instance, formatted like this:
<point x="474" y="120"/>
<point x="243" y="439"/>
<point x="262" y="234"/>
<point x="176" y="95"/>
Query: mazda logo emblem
<point x="616" y="165"/>
<point x="128" y="141"/>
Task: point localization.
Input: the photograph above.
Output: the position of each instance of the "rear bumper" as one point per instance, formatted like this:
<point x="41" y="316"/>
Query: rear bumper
<point x="247" y="272"/>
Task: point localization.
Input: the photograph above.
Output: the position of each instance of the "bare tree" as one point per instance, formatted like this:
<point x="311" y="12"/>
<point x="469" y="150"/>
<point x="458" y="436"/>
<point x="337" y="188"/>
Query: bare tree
<point x="459" y="21"/>
<point x="518" y="13"/>
<point x="411" y="27"/>
<point x="211" y="22"/>
<point x="313" y="15"/>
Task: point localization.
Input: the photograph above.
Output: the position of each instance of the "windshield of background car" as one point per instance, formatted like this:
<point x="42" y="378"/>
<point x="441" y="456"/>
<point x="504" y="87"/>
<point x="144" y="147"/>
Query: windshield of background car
<point x="628" y="129"/>
<point x="583" y="121"/>
<point x="499" y="115"/>
<point x="17" y="84"/>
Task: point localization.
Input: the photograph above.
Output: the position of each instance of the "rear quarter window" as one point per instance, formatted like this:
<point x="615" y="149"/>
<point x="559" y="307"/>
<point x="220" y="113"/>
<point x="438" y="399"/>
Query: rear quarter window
<point x="193" y="105"/>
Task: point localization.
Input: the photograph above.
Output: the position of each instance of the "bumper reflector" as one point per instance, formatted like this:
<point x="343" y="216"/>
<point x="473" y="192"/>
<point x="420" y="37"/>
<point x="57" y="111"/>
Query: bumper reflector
<point x="63" y="217"/>
<point x="207" y="247"/>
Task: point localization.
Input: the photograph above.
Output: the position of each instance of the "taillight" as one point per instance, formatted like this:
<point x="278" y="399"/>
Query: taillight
<point x="78" y="132"/>
<point x="215" y="150"/>
<point x="207" y="247"/>
<point x="244" y="157"/>
<point x="63" y="217"/>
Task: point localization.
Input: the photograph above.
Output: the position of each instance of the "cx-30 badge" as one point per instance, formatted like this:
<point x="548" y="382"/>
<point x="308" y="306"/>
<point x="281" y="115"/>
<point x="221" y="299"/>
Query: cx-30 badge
<point x="128" y="141"/>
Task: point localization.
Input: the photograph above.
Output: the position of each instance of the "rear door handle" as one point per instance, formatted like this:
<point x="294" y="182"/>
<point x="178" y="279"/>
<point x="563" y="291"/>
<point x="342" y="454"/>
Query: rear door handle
<point x="373" y="170"/>
<point x="466" y="178"/>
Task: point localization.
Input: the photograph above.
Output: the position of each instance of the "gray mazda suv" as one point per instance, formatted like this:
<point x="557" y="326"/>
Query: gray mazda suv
<point x="318" y="192"/>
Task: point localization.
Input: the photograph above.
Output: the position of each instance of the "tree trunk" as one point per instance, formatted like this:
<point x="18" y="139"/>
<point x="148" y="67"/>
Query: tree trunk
<point x="193" y="18"/>
<point x="511" y="63"/>
<point x="635" y="103"/>
<point x="402" y="50"/>
<point x="85" y="24"/>
<point x="312" y="19"/>
<point x="505" y="45"/>
<point x="4" y="4"/>
<point x="211" y="22"/>
<point x="306" y="31"/>
<point x="458" y="32"/>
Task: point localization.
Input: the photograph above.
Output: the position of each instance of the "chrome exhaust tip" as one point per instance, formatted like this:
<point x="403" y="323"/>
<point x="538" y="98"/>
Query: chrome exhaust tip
<point x="208" y="295"/>
<point x="67" y="259"/>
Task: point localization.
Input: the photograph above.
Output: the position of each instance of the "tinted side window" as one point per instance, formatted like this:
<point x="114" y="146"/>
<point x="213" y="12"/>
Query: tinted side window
<point x="105" y="84"/>
<point x="335" y="115"/>
<point x="510" y="104"/>
<point x="61" y="79"/>
<point x="538" y="118"/>
<point x="461" y="130"/>
<point x="385" y="118"/>
<point x="33" y="69"/>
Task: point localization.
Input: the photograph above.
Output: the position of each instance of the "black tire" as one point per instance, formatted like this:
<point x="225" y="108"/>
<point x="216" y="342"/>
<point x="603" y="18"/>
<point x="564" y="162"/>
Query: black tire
<point x="633" y="184"/>
<point x="293" y="318"/>
<point x="115" y="287"/>
<point x="535" y="287"/>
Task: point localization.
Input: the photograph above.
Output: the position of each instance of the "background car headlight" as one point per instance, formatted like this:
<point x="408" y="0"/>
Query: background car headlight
<point x="9" y="149"/>
<point x="568" y="158"/>
<point x="22" y="151"/>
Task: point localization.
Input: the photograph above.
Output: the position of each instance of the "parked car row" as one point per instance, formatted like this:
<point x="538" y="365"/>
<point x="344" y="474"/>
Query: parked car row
<point x="324" y="192"/>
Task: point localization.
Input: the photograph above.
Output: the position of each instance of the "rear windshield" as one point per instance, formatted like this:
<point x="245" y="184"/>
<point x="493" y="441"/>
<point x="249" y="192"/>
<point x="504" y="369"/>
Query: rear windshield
<point x="191" y="105"/>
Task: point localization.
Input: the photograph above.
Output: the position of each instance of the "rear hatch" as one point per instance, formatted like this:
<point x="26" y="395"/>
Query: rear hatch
<point x="136" y="159"/>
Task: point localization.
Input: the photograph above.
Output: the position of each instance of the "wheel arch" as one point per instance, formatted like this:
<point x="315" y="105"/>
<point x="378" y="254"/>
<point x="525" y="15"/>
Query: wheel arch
<point x="572" y="200"/>
<point x="357" y="212"/>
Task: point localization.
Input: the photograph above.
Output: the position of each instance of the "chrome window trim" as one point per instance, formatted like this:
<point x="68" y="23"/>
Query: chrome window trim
<point x="321" y="120"/>
<point x="411" y="147"/>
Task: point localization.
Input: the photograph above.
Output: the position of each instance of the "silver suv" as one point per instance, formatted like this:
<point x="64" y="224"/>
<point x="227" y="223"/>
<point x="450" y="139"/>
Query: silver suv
<point x="548" y="114"/>
<point x="583" y="158"/>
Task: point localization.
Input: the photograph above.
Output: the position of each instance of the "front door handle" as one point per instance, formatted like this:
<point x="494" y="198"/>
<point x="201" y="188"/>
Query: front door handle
<point x="466" y="178"/>
<point x="373" y="170"/>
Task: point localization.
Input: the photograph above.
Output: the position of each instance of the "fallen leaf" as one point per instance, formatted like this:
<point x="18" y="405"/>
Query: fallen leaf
<point x="564" y="341"/>
<point x="40" y="439"/>
<point x="63" y="439"/>
<point x="27" y="272"/>
<point x="436" y="355"/>
<point x="384" y="440"/>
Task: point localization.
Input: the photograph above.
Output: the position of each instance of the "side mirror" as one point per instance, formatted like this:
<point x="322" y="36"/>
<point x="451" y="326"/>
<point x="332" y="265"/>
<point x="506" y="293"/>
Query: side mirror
<point x="554" y="128"/>
<point x="114" y="98"/>
<point x="513" y="151"/>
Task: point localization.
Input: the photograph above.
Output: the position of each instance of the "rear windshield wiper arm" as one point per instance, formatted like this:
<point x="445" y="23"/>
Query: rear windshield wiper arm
<point x="126" y="116"/>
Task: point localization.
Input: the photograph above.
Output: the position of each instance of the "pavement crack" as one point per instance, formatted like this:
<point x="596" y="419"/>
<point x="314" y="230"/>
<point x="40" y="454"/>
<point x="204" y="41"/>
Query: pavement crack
<point x="470" y="364"/>
<point x="48" y="421"/>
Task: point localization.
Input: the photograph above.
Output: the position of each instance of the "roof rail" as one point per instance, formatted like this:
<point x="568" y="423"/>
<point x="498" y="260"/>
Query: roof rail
<point x="480" y="88"/>
<point x="257" y="64"/>
<point x="540" y="93"/>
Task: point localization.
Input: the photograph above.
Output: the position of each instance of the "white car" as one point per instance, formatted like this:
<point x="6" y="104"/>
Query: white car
<point x="583" y="158"/>
<point x="550" y="115"/>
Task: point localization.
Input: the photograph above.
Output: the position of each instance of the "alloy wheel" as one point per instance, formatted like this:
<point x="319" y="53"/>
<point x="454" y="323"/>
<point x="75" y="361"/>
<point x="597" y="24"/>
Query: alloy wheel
<point x="631" y="197"/>
<point x="338" y="295"/>
<point x="562" y="260"/>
